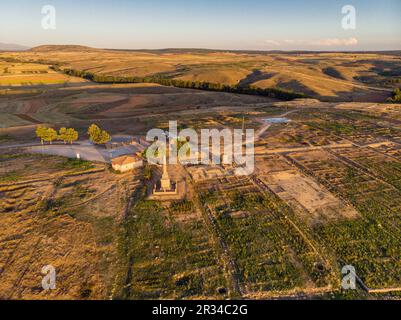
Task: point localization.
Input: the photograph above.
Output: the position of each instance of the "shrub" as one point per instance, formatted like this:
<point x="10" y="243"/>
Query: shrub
<point x="396" y="98"/>
<point x="75" y="164"/>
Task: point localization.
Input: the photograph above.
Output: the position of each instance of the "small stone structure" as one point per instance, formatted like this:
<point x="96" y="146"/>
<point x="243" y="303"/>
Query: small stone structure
<point x="165" y="186"/>
<point x="126" y="163"/>
<point x="202" y="173"/>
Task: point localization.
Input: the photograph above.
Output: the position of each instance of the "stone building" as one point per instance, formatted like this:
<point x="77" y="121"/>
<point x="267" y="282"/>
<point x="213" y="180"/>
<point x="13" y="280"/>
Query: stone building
<point x="126" y="163"/>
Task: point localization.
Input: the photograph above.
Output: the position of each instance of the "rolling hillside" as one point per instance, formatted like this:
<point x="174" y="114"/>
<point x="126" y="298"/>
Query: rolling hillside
<point x="327" y="76"/>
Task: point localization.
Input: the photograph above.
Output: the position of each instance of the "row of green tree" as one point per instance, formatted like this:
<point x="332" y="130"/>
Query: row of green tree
<point x="49" y="134"/>
<point x="396" y="98"/>
<point x="208" y="86"/>
<point x="96" y="135"/>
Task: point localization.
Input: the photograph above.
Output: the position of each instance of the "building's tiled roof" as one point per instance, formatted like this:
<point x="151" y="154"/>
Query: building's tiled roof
<point x="123" y="160"/>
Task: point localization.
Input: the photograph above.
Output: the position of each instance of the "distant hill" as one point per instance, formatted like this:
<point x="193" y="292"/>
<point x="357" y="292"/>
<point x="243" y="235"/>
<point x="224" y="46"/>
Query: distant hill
<point x="12" y="47"/>
<point x="80" y="48"/>
<point x="327" y="76"/>
<point x="61" y="48"/>
<point x="258" y="52"/>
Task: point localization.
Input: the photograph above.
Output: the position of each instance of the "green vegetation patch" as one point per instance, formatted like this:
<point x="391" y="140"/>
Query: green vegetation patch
<point x="370" y="243"/>
<point x="335" y="127"/>
<point x="11" y="176"/>
<point x="75" y="165"/>
<point x="165" y="259"/>
<point x="270" y="253"/>
<point x="396" y="98"/>
<point x="182" y="206"/>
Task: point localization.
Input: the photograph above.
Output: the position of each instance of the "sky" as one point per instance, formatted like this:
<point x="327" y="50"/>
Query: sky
<point x="217" y="24"/>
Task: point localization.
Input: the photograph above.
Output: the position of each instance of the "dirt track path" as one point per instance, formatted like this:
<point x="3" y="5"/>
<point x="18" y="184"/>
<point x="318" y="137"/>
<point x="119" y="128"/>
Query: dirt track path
<point x="266" y="126"/>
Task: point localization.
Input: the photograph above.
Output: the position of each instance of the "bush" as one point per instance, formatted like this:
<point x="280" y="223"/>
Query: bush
<point x="182" y="206"/>
<point x="396" y="98"/>
<point x="70" y="164"/>
<point x="147" y="175"/>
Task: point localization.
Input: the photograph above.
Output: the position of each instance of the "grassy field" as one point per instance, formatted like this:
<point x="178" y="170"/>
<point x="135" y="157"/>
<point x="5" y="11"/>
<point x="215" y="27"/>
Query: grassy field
<point x="272" y="256"/>
<point x="370" y="243"/>
<point x="168" y="256"/>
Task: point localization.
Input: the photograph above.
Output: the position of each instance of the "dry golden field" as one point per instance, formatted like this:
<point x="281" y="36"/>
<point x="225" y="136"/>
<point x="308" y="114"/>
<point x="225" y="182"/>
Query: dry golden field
<point x="61" y="213"/>
<point x="327" y="76"/>
<point x="29" y="74"/>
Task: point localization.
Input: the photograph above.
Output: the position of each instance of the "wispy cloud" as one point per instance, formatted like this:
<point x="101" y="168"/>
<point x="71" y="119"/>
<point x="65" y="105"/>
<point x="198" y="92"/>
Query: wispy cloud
<point x="337" y="42"/>
<point x="273" y="42"/>
<point x="330" y="42"/>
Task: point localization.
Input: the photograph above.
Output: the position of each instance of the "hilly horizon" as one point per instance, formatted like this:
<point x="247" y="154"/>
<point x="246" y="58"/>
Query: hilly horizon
<point x="77" y="47"/>
<point x="12" y="47"/>
<point x="327" y="76"/>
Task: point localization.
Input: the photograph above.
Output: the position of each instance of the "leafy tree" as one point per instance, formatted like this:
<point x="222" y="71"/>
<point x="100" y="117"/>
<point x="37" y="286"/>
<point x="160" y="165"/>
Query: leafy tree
<point x="71" y="135"/>
<point x="62" y="134"/>
<point x="50" y="135"/>
<point x="93" y="132"/>
<point x="41" y="133"/>
<point x="97" y="135"/>
<point x="103" y="138"/>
